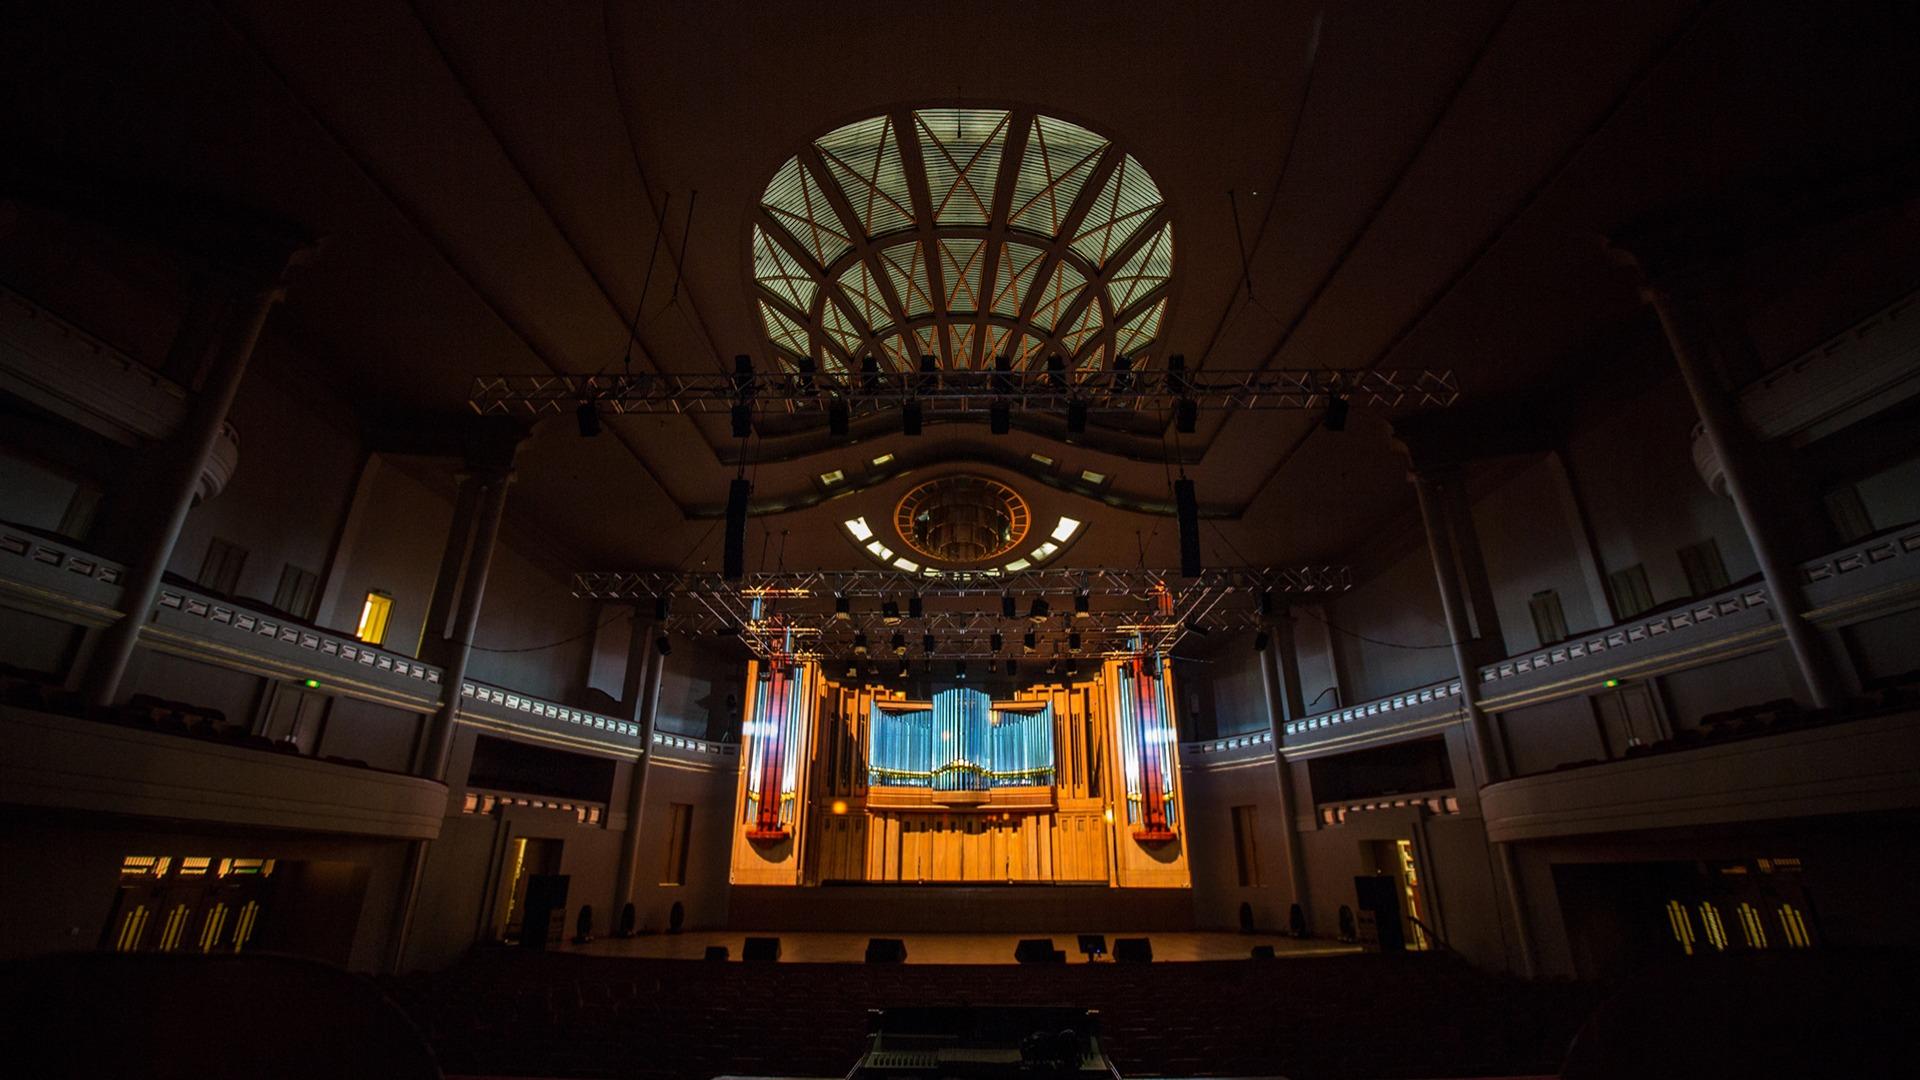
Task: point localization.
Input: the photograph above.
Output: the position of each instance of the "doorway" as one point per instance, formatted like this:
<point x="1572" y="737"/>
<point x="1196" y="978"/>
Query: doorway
<point x="1396" y="859"/>
<point x="526" y="857"/>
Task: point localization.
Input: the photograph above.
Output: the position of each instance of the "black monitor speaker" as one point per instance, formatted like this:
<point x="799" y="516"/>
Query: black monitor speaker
<point x="1093" y="945"/>
<point x="1263" y="952"/>
<point x="716" y="952"/>
<point x="886" y="950"/>
<point x="760" y="950"/>
<point x="1132" y="950"/>
<point x="1037" y="950"/>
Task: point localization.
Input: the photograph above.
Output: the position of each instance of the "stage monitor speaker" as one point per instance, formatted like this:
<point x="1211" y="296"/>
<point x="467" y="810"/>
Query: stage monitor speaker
<point x="734" y="554"/>
<point x="1093" y="945"/>
<point x="1132" y="950"/>
<point x="1038" y="950"/>
<point x="886" y="950"/>
<point x="716" y="952"/>
<point x="1187" y="507"/>
<point x="1262" y="952"/>
<point x="544" y="910"/>
<point x="760" y="950"/>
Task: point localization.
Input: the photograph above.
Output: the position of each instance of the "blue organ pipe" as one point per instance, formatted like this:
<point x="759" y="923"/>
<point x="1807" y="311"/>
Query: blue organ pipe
<point x="960" y="743"/>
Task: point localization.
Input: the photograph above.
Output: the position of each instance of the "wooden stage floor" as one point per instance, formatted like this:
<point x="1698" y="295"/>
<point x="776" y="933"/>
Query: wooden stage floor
<point x="827" y="947"/>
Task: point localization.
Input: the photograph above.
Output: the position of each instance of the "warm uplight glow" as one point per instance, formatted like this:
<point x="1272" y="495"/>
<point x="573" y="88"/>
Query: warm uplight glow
<point x="839" y="806"/>
<point x="373" y="618"/>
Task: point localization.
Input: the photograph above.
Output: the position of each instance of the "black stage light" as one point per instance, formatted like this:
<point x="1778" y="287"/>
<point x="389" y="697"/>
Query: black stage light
<point x="1337" y="413"/>
<point x="999" y="418"/>
<point x="1013" y="668"/>
<point x="926" y="644"/>
<point x="1266" y="603"/>
<point x="903" y="670"/>
<point x="916" y="608"/>
<point x="742" y="374"/>
<point x="839" y="418"/>
<point x="1056" y="372"/>
<point x="663" y="645"/>
<point x="1187" y="507"/>
<point x="587" y="415"/>
<point x="1123" y="382"/>
<point x="1261" y="640"/>
<point x="1038" y="612"/>
<point x="662" y="606"/>
<point x="899" y="644"/>
<point x="1073" y="666"/>
<point x="1002" y="374"/>
<point x="1081" y="600"/>
<point x="959" y="669"/>
<point x="1150" y="665"/>
<point x="911" y="417"/>
<point x="929" y="367"/>
<point x="1076" y="418"/>
<point x="995" y="641"/>
<point x="1073" y="641"/>
<point x="733" y="551"/>
<point x="804" y="381"/>
<point x="869" y="374"/>
<point x="1007" y="609"/>
<point x="890" y="612"/>
<point x="993" y="665"/>
<point x="1186" y="416"/>
<point x="1177" y="375"/>
<point x="742" y="420"/>
<point x="842" y="607"/>
<point x="1029" y="641"/>
<point x="853" y="669"/>
<point x="860" y="643"/>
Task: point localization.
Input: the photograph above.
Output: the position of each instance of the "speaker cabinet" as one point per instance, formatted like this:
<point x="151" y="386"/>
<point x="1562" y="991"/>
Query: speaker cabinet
<point x="886" y="950"/>
<point x="760" y="950"/>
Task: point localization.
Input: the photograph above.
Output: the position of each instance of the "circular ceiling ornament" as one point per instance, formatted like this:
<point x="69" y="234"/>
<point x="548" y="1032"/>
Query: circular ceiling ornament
<point x="961" y="234"/>
<point x="962" y="519"/>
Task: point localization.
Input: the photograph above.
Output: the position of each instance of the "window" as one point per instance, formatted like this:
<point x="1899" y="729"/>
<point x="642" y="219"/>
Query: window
<point x="1549" y="620"/>
<point x="882" y="461"/>
<point x="373" y="618"/>
<point x="1065" y="529"/>
<point x="1041" y="459"/>
<point x="220" y="570"/>
<point x="295" y="594"/>
<point x="1246" y="859"/>
<point x="679" y="830"/>
<point x="1705" y="571"/>
<point x="1094" y="478"/>
<point x="1631" y="596"/>
<point x="832" y="477"/>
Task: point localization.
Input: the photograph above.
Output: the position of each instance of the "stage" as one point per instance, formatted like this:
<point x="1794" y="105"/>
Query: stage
<point x="1025" y="909"/>
<point x="828" y="947"/>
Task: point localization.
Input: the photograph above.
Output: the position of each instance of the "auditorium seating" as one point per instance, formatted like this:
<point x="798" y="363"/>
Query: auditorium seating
<point x="504" y="1012"/>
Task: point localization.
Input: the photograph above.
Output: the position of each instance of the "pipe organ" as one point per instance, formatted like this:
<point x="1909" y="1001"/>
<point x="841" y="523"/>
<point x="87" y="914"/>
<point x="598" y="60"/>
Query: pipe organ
<point x="853" y="781"/>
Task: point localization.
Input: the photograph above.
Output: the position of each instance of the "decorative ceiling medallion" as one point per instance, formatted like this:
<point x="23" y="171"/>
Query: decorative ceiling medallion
<point x="961" y="234"/>
<point x="962" y="519"/>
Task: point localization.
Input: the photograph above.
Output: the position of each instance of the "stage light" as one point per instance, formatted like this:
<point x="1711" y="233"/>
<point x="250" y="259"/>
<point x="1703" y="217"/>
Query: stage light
<point x="1108" y="814"/>
<point x="1056" y="372"/>
<point x="1123" y="382"/>
<point x="1038" y="612"/>
<point x="860" y="643"/>
<point x="853" y="669"/>
<point x="1186" y="416"/>
<point x="804" y="381"/>
<point x="587" y="415"/>
<point x="903" y="670"/>
<point x="890" y="612"/>
<point x="1073" y="667"/>
<point x="1029" y="642"/>
<point x="842" y="608"/>
<point x="1177" y="375"/>
<point x="916" y="607"/>
<point x="839" y="806"/>
<point x="959" y="669"/>
<point x="742" y="420"/>
<point x="911" y="417"/>
<point x="1266" y="603"/>
<point x="926" y="644"/>
<point x="1007" y="609"/>
<point x="1081" y="602"/>
<point x="1187" y="508"/>
<point x="662" y="606"/>
<point x="1013" y="668"/>
<point x="1150" y="665"/>
<point x="1336" y="419"/>
<point x="995" y="640"/>
<point x="993" y="666"/>
<point x="869" y="374"/>
<point x="663" y="645"/>
<point x="1261" y="640"/>
<point x="839" y="418"/>
<point x="742" y="374"/>
<point x="999" y="418"/>
<point x="899" y="644"/>
<point x="1076" y="418"/>
<point x="1053" y="667"/>
<point x="1073" y="641"/>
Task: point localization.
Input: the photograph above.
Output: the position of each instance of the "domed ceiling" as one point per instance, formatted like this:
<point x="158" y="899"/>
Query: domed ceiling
<point x="961" y="234"/>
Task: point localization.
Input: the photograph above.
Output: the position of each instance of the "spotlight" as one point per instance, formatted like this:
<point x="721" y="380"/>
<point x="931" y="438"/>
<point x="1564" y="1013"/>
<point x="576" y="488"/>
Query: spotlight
<point x="903" y="670"/>
<point x="1123" y="382"/>
<point x="588" y="417"/>
<point x="1080" y="602"/>
<point x="1007" y="609"/>
<point x="860" y="643"/>
<point x="999" y="418"/>
<point x="926" y="644"/>
<point x="804" y="381"/>
<point x="662" y="606"/>
<point x="869" y="374"/>
<point x="842" y="607"/>
<point x="1002" y="374"/>
<point x="1038" y="612"/>
<point x="663" y="645"/>
<point x="959" y="669"/>
<point x="742" y="420"/>
<point x="742" y="374"/>
<point x="1076" y="418"/>
<point x="1029" y="641"/>
<point x="839" y="418"/>
<point x="911" y="417"/>
<point x="890" y="612"/>
<point x="916" y="608"/>
<point x="995" y="641"/>
<point x="1186" y="416"/>
<point x="1261" y="640"/>
<point x="899" y="644"/>
<point x="1336" y="419"/>
<point x="1056" y="372"/>
<point x="1073" y="641"/>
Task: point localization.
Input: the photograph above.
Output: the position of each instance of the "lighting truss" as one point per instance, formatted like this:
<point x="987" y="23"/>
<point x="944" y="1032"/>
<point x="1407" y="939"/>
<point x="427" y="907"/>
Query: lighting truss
<point x="1132" y="611"/>
<point x="968" y="394"/>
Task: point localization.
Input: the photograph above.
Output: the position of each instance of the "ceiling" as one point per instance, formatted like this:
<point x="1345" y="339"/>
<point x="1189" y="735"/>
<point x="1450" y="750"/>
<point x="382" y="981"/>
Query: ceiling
<point x="500" y="187"/>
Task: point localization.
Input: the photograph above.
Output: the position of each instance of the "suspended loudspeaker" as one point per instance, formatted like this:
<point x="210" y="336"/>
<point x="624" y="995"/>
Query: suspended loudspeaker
<point x="733" y="555"/>
<point x="1188" y="508"/>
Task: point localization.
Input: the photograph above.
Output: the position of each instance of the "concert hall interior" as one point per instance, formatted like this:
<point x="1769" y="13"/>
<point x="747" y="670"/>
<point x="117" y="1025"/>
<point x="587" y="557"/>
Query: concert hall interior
<point x="1354" y="539"/>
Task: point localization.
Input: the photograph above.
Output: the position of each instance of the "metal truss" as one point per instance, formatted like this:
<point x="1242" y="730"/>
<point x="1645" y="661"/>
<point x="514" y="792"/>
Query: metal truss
<point x="968" y="394"/>
<point x="1128" y="611"/>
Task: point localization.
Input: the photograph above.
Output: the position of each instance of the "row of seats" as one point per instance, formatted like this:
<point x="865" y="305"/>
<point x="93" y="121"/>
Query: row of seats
<point x="506" y="1011"/>
<point x="146" y="712"/>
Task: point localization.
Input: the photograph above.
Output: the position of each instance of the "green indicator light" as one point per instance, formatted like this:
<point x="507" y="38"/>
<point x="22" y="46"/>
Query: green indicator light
<point x="1611" y="683"/>
<point x="316" y="682"/>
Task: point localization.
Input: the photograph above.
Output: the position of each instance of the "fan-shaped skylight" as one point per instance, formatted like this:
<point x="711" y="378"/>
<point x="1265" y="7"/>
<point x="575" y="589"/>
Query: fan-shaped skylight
<point x="962" y="234"/>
